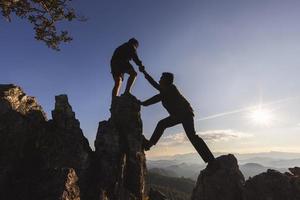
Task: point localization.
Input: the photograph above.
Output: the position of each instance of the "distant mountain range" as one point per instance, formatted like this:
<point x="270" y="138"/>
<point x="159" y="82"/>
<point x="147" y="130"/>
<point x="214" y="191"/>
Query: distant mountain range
<point x="189" y="165"/>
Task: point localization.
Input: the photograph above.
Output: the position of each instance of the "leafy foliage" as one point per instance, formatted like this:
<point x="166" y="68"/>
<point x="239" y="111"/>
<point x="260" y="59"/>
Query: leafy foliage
<point x="44" y="15"/>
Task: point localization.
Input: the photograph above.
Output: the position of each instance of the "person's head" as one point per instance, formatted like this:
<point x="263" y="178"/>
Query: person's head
<point x="166" y="79"/>
<point x="134" y="42"/>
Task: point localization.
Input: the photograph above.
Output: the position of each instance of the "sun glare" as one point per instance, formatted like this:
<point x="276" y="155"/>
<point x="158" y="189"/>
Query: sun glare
<point x="261" y="116"/>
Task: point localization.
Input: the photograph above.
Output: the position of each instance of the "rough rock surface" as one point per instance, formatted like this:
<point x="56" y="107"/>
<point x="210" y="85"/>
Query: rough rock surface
<point x="222" y="180"/>
<point x="118" y="149"/>
<point x="51" y="159"/>
<point x="39" y="159"/>
<point x="22" y="121"/>
<point x="13" y="99"/>
<point x="63" y="144"/>
<point x="273" y="185"/>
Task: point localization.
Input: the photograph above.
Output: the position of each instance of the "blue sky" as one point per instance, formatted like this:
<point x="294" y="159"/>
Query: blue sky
<point x="227" y="56"/>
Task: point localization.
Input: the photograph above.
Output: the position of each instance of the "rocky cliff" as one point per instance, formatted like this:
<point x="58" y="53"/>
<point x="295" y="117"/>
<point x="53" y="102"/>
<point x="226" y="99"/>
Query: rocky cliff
<point x="51" y="159"/>
<point x="118" y="150"/>
<point x="222" y="180"/>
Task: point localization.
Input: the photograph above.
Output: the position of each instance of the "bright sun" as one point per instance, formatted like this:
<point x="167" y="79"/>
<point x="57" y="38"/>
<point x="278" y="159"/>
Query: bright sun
<point x="261" y="116"/>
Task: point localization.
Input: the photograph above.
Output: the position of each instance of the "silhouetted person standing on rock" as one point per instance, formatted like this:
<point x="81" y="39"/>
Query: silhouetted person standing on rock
<point x="180" y="112"/>
<point x="120" y="65"/>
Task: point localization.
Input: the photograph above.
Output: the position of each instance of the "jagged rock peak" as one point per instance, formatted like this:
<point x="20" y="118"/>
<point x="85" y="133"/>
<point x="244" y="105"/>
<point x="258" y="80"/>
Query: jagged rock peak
<point x="63" y="144"/>
<point x="119" y="151"/>
<point x="12" y="98"/>
<point x="125" y="111"/>
<point x="63" y="115"/>
<point x="221" y="179"/>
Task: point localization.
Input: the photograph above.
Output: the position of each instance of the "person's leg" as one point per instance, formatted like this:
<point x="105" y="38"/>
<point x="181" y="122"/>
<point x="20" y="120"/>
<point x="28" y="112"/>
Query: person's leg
<point x="198" y="143"/>
<point x="132" y="76"/>
<point x="117" y="75"/>
<point x="160" y="127"/>
<point x="117" y="86"/>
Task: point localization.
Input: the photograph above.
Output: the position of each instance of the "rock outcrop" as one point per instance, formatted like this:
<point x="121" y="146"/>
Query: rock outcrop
<point x="223" y="180"/>
<point x="118" y="150"/>
<point x="273" y="185"/>
<point x="51" y="159"/>
<point x="22" y="121"/>
<point x="39" y="159"/>
<point x="220" y="180"/>
<point x="63" y="144"/>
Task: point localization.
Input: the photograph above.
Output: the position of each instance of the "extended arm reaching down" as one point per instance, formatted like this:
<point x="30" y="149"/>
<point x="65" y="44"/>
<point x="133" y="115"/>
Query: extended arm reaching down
<point x="152" y="100"/>
<point x="151" y="81"/>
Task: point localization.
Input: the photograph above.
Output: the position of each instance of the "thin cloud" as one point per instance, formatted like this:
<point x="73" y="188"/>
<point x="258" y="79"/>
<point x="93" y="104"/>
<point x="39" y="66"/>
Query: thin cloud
<point x="217" y="135"/>
<point x="174" y="139"/>
<point x="210" y="135"/>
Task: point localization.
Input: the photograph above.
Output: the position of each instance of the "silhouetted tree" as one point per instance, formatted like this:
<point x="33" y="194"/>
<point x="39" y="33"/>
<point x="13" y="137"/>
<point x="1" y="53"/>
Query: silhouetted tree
<point x="43" y="14"/>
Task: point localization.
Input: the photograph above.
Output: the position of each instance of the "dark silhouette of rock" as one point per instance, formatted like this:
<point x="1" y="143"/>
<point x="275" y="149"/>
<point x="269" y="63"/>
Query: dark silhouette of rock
<point x="118" y="149"/>
<point x="63" y="144"/>
<point x="273" y="185"/>
<point x="295" y="171"/>
<point x="39" y="159"/>
<point x="223" y="180"/>
<point x="22" y="121"/>
<point x="63" y="115"/>
<point x="51" y="159"/>
<point x="220" y="180"/>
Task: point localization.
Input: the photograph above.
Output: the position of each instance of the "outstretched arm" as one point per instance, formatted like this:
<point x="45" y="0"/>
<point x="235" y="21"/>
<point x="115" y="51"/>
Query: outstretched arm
<point x="136" y="58"/>
<point x="152" y="100"/>
<point x="151" y="80"/>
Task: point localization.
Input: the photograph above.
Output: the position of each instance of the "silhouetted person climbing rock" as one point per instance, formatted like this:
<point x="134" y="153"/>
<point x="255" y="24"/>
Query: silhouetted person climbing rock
<point x="180" y="112"/>
<point x="120" y="65"/>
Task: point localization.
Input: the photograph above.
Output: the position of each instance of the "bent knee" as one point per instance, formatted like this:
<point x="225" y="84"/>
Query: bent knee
<point x="161" y="124"/>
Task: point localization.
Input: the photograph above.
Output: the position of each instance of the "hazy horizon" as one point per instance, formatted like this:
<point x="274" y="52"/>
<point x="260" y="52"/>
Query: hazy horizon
<point x="272" y="154"/>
